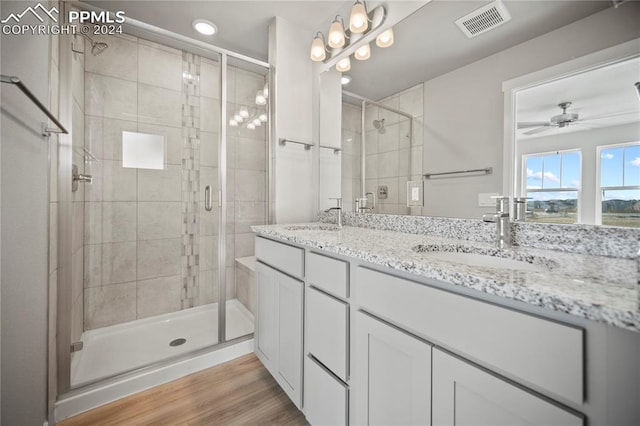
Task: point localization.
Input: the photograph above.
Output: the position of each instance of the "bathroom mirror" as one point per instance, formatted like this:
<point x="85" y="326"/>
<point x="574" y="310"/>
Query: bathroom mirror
<point x="452" y="86"/>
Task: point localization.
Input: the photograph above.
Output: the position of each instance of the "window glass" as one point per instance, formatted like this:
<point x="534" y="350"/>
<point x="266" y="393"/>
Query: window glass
<point x="552" y="186"/>
<point x="620" y="185"/>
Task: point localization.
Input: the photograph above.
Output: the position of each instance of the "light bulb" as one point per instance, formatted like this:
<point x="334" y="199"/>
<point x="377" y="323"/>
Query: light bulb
<point x="318" y="52"/>
<point x="233" y="123"/>
<point x="385" y="39"/>
<point x="336" y="34"/>
<point x="257" y="122"/>
<point x="204" y="27"/>
<point x="251" y="126"/>
<point x="260" y="98"/>
<point x="345" y="79"/>
<point x="244" y="112"/>
<point x="363" y="53"/>
<point x="263" y="118"/>
<point x="238" y="118"/>
<point x="358" y="22"/>
<point x="344" y="65"/>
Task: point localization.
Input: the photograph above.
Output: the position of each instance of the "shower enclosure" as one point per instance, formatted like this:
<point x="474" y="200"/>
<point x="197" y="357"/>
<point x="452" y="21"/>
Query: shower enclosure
<point x="175" y="141"/>
<point x="379" y="154"/>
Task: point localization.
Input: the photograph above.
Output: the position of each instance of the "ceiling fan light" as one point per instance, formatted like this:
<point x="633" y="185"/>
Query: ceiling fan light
<point x="336" y="34"/>
<point x="318" y="52"/>
<point x="344" y="65"/>
<point x="358" y="21"/>
<point x="385" y="39"/>
<point x="363" y="53"/>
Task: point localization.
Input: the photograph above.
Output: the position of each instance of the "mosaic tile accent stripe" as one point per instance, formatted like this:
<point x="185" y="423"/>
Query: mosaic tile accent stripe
<point x="190" y="179"/>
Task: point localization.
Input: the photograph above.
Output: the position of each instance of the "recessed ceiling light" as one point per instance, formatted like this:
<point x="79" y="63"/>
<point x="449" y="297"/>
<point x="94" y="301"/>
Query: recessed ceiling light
<point x="204" y="27"/>
<point x="345" y="79"/>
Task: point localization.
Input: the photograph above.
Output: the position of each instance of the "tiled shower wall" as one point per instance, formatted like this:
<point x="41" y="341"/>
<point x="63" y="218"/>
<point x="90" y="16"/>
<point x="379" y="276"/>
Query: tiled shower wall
<point x="351" y="152"/>
<point x="150" y="247"/>
<point x="392" y="158"/>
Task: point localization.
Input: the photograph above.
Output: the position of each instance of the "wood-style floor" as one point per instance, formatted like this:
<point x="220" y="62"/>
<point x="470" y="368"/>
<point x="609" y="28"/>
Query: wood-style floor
<point x="239" y="392"/>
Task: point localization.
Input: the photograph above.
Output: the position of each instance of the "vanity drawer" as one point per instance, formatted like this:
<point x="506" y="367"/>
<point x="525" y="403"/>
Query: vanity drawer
<point x="538" y="352"/>
<point x="325" y="397"/>
<point x="281" y="256"/>
<point x="327" y="331"/>
<point x="328" y="274"/>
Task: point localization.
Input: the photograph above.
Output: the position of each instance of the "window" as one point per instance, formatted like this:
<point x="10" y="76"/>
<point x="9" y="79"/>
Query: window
<point x="619" y="201"/>
<point x="552" y="182"/>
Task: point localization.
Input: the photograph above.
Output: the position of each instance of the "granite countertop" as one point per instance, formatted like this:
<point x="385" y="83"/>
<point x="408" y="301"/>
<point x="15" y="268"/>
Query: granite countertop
<point x="597" y="288"/>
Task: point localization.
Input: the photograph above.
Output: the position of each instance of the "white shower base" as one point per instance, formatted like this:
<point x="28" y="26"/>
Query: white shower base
<point x="115" y="349"/>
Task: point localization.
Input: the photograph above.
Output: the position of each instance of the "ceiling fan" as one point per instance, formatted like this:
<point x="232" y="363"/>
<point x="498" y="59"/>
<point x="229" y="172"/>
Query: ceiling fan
<point x="561" y="120"/>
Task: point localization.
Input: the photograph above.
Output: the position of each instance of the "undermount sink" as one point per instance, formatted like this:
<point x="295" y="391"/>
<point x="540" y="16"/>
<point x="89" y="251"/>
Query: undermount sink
<point x="486" y="257"/>
<point x="322" y="227"/>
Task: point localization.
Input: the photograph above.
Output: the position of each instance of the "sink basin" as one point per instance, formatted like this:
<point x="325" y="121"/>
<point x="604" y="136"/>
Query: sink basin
<point x="322" y="227"/>
<point x="486" y="257"/>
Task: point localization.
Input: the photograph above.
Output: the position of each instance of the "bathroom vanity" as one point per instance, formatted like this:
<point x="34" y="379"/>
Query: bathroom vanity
<point x="372" y="326"/>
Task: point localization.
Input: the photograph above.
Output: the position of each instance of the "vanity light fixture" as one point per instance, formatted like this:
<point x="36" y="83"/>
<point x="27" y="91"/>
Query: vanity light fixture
<point x="358" y="22"/>
<point x="346" y="79"/>
<point x="204" y="27"/>
<point x="385" y="39"/>
<point x="318" y="51"/>
<point x="344" y="65"/>
<point x="336" y="33"/>
<point x="363" y="53"/>
<point x="260" y="98"/>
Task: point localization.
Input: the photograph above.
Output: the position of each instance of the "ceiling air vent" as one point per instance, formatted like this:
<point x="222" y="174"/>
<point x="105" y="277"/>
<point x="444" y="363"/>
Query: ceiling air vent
<point x="484" y="19"/>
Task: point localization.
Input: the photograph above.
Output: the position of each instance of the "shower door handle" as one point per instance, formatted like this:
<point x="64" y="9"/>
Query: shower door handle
<point x="208" y="199"/>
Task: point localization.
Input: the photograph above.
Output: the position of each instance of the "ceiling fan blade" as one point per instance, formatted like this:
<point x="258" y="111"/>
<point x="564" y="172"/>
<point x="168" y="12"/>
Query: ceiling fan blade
<point x="538" y="130"/>
<point x="525" y="124"/>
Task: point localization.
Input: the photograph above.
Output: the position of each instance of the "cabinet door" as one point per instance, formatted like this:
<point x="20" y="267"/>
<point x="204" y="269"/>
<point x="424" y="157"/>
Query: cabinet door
<point x="289" y="337"/>
<point x="466" y="395"/>
<point x="392" y="375"/>
<point x="265" y="336"/>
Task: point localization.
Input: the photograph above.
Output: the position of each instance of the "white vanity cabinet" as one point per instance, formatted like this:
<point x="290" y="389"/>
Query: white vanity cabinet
<point x="279" y="316"/>
<point x="393" y="375"/>
<point x="464" y="394"/>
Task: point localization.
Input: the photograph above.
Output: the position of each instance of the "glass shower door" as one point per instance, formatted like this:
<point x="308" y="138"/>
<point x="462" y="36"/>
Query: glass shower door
<point x="247" y="136"/>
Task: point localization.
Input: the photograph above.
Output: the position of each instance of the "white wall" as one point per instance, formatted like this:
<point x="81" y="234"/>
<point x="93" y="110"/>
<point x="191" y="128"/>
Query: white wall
<point x="293" y="166"/>
<point x="464" y="108"/>
<point x="24" y="213"/>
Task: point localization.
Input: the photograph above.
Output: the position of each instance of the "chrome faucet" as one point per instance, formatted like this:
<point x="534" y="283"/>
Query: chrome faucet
<point x="338" y="210"/>
<point x="501" y="219"/>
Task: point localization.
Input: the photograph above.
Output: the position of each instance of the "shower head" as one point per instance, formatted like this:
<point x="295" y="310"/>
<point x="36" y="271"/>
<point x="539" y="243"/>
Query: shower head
<point x="96" y="46"/>
<point x="379" y="125"/>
